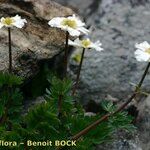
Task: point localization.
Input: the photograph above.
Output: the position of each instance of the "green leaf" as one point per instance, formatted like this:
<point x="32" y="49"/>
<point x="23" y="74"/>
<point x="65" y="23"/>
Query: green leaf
<point x="108" y="106"/>
<point x="10" y="79"/>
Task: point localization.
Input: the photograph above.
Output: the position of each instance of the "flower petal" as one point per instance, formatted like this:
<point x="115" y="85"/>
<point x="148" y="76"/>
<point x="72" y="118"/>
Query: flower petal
<point x="141" y="56"/>
<point x="56" y="22"/>
<point x="86" y="43"/>
<point x="97" y="46"/>
<point x="18" y="22"/>
<point x="84" y="30"/>
<point x="73" y="32"/>
<point x="74" y="43"/>
<point x="143" y="46"/>
<point x="1" y="25"/>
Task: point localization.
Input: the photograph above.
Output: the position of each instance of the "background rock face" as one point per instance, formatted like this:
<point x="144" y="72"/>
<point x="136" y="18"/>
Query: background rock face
<point x="36" y="41"/>
<point x="111" y="71"/>
<point x="119" y="24"/>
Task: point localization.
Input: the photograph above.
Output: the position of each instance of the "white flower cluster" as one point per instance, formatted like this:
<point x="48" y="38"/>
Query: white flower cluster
<point x="75" y="27"/>
<point x="72" y="24"/>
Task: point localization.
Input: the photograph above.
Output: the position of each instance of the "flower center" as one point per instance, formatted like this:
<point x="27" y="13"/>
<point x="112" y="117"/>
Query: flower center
<point x="70" y="23"/>
<point x="8" y="21"/>
<point x="147" y="50"/>
<point x="86" y="43"/>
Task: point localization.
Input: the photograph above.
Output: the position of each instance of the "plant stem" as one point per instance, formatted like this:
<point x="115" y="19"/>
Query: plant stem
<point x="4" y="117"/>
<point x="105" y="117"/>
<point x="78" y="74"/>
<point x="60" y="106"/>
<point x="25" y="145"/>
<point x="10" y="50"/>
<point x="66" y="55"/>
<point x="144" y="75"/>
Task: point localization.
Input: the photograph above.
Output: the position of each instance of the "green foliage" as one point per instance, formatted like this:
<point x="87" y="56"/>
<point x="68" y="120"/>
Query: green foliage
<point x="60" y="88"/>
<point x="10" y="107"/>
<point x="108" y="106"/>
<point x="9" y="79"/>
<point x="42" y="122"/>
<point x="10" y="97"/>
<point x="39" y="83"/>
<point x="120" y="120"/>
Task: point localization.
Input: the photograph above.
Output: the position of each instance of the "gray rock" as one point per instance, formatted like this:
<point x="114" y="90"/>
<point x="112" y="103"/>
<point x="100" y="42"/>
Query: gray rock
<point x="112" y="71"/>
<point x="119" y="25"/>
<point x="37" y="41"/>
<point x="138" y="140"/>
<point x="143" y="123"/>
<point x="121" y="143"/>
<point x="77" y="5"/>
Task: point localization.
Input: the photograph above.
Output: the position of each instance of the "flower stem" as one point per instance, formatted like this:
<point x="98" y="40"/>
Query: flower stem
<point x="78" y="74"/>
<point x="144" y="75"/>
<point x="105" y="117"/>
<point x="10" y="50"/>
<point x="66" y="55"/>
<point x="4" y="117"/>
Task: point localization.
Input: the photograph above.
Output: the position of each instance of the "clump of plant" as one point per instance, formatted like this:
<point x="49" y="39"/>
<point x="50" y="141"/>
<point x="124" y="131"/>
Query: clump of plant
<point x="59" y="117"/>
<point x="63" y="123"/>
<point x="10" y="95"/>
<point x="10" y="98"/>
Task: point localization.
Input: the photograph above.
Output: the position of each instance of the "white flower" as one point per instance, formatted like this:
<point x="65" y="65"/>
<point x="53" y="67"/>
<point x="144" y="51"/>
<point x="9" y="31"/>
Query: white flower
<point x="143" y="51"/>
<point x="72" y="24"/>
<point x="12" y="21"/>
<point x="86" y="43"/>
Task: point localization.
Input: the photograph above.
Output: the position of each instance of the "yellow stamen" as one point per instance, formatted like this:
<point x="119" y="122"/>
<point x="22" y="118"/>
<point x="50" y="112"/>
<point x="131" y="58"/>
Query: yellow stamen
<point x="147" y="50"/>
<point x="70" y="23"/>
<point x="86" y="43"/>
<point x="8" y="21"/>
